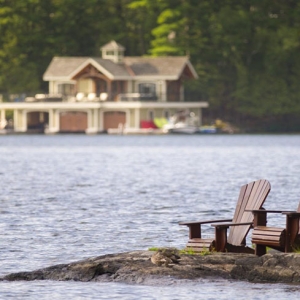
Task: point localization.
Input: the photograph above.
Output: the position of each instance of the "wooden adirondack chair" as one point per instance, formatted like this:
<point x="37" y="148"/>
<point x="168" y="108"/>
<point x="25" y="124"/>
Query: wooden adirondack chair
<point x="281" y="239"/>
<point x="252" y="196"/>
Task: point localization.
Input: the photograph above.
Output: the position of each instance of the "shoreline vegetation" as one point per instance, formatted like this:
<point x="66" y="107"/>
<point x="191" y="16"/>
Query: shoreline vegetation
<point x="160" y="266"/>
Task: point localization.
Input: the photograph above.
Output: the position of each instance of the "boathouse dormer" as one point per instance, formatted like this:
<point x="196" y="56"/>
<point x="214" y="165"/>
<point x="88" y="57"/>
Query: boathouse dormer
<point x="113" y="51"/>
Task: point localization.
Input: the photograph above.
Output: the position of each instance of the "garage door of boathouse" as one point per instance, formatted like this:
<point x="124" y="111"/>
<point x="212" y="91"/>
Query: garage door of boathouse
<point x="113" y="119"/>
<point x="73" y="122"/>
<point x="37" y="120"/>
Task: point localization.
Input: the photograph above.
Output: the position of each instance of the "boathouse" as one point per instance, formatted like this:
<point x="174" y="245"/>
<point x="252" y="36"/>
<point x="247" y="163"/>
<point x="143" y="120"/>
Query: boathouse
<point x="97" y="94"/>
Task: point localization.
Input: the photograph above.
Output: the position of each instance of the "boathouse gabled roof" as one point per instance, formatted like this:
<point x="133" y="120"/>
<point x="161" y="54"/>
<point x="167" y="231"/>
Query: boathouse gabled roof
<point x="164" y="68"/>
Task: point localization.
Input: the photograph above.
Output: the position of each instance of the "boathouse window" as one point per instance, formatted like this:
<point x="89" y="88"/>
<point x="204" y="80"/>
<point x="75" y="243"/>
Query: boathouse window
<point x="66" y="89"/>
<point x="147" y="88"/>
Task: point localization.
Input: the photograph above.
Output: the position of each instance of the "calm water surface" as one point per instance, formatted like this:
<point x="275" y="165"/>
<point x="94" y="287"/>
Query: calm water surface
<point x="69" y="197"/>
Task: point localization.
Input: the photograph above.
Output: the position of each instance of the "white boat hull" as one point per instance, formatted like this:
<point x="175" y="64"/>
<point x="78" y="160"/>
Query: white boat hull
<point x="186" y="130"/>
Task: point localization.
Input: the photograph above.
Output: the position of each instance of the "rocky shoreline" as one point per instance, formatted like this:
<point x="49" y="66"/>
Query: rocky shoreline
<point x="137" y="267"/>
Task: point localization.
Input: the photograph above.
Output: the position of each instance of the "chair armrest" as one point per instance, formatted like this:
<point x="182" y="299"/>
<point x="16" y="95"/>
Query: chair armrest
<point x="231" y="224"/>
<point x="291" y="213"/>
<point x="205" y="222"/>
<point x="266" y="211"/>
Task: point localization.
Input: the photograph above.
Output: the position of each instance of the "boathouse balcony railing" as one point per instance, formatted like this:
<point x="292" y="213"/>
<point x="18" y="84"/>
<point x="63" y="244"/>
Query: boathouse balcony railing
<point x="137" y="97"/>
<point x="93" y="97"/>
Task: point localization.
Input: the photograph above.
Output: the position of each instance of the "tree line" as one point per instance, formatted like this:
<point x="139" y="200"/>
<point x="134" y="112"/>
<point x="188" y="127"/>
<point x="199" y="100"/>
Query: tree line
<point x="246" y="52"/>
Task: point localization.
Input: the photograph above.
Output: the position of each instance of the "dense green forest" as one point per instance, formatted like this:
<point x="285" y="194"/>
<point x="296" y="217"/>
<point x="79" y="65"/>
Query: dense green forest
<point x="246" y="52"/>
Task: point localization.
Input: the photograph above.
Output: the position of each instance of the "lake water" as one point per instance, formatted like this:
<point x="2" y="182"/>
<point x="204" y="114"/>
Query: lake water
<point x="68" y="197"/>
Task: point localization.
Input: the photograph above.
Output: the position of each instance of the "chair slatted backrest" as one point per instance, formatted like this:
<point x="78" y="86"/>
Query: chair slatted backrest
<point x="252" y="196"/>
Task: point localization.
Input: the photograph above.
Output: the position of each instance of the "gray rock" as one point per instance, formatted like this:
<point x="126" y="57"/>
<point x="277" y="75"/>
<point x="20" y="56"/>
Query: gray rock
<point x="137" y="268"/>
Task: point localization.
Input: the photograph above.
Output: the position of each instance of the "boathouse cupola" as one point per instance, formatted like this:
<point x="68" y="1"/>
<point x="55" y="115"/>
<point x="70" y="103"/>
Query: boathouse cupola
<point x="113" y="51"/>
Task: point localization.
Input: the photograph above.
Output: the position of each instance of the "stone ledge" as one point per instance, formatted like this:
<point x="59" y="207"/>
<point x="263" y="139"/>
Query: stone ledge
<point x="136" y="268"/>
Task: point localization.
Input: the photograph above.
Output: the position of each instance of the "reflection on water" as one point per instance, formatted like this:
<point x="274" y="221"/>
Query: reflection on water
<point x="65" y="198"/>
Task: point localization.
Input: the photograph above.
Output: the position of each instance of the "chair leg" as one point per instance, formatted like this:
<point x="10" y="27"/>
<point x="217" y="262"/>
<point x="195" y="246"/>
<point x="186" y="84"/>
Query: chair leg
<point x="194" y="231"/>
<point x="220" y="238"/>
<point x="260" y="219"/>
<point x="260" y="250"/>
<point x="292" y="229"/>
